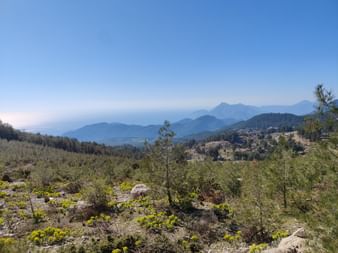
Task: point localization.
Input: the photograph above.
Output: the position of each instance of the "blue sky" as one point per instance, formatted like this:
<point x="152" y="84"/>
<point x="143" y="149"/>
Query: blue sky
<point x="61" y="58"/>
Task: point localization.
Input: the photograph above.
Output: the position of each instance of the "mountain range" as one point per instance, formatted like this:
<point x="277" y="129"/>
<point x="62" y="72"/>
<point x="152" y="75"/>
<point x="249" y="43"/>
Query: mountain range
<point x="222" y="116"/>
<point x="243" y="112"/>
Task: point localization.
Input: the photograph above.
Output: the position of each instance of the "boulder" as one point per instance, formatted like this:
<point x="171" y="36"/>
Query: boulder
<point x="139" y="190"/>
<point x="295" y="243"/>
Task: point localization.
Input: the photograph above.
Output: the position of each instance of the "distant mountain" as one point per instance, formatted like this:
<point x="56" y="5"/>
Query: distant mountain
<point x="244" y="112"/>
<point x="117" y="133"/>
<point x="301" y="108"/>
<point x="236" y="111"/>
<point x="267" y="120"/>
<point x="258" y="122"/>
<point x="203" y="121"/>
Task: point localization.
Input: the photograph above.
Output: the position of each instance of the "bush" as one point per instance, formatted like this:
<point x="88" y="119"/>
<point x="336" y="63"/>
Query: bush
<point x="94" y="220"/>
<point x="232" y="238"/>
<point x="126" y="186"/>
<point x="96" y="194"/>
<point x="158" y="221"/>
<point x="279" y="234"/>
<point x="48" y="236"/>
<point x="39" y="215"/>
<point x="256" y="248"/>
<point x="223" y="210"/>
<point x="66" y="203"/>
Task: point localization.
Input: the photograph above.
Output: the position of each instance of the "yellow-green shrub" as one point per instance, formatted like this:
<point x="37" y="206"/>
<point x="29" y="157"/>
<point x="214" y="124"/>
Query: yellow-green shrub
<point x="39" y="215"/>
<point x="3" y="194"/>
<point x="2" y="221"/>
<point x="223" y="210"/>
<point x="279" y="234"/>
<point x="6" y="241"/>
<point x="3" y="185"/>
<point x="126" y="186"/>
<point x="157" y="221"/>
<point x="232" y="238"/>
<point x="48" y="236"/>
<point x="66" y="203"/>
<point x="94" y="220"/>
<point x="21" y="204"/>
<point x="256" y="248"/>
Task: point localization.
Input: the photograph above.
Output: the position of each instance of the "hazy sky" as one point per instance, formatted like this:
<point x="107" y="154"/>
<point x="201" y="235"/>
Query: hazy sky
<point x="60" y="58"/>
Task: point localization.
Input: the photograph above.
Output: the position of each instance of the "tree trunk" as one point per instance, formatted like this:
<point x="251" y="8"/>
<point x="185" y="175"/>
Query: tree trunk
<point x="168" y="179"/>
<point x="285" y="188"/>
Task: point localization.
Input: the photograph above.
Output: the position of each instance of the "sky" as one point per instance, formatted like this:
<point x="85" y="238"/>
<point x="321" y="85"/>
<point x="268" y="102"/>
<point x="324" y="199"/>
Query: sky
<point x="126" y="60"/>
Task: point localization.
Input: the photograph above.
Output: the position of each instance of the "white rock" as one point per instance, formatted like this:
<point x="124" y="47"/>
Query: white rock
<point x="139" y="190"/>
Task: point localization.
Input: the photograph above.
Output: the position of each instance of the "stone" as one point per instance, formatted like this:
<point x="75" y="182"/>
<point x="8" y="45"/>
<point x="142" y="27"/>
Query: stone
<point x="139" y="190"/>
<point x="295" y="243"/>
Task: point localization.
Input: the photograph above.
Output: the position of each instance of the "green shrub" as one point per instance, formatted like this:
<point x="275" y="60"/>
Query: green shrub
<point x="194" y="238"/>
<point x="7" y="244"/>
<point x="94" y="220"/>
<point x="46" y="194"/>
<point x="96" y="194"/>
<point x="4" y="185"/>
<point x="21" y="204"/>
<point x="66" y="203"/>
<point x="223" y="210"/>
<point x="279" y="234"/>
<point x="256" y="248"/>
<point x="232" y="238"/>
<point x="48" y="236"/>
<point x="39" y="215"/>
<point x="126" y="186"/>
<point x="158" y="221"/>
<point x="3" y="194"/>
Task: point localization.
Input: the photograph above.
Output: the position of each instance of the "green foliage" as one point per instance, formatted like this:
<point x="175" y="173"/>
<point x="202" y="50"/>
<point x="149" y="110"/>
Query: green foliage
<point x="48" y="236"/>
<point x="96" y="194"/>
<point x="2" y="221"/>
<point x="66" y="203"/>
<point x="256" y="248"/>
<point x="232" y="238"/>
<point x="8" y="245"/>
<point x="3" y="194"/>
<point x="279" y="234"/>
<point x="4" y="185"/>
<point x="158" y="221"/>
<point x="39" y="215"/>
<point x="223" y="210"/>
<point x="126" y="186"/>
<point x="95" y="220"/>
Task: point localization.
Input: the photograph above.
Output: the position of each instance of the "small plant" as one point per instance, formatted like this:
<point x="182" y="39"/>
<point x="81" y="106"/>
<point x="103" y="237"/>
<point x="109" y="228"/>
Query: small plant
<point x="21" y="204"/>
<point x="194" y="238"/>
<point x="232" y="238"/>
<point x="158" y="221"/>
<point x="279" y="234"/>
<point x="4" y="185"/>
<point x="126" y="186"/>
<point x="96" y="194"/>
<point x="116" y="251"/>
<point x="3" y="194"/>
<point x="66" y="203"/>
<point x="256" y="248"/>
<point x="2" y="221"/>
<point x="6" y="241"/>
<point x="94" y="220"/>
<point x="47" y="194"/>
<point x="223" y="210"/>
<point x="39" y="215"/>
<point x="48" y="236"/>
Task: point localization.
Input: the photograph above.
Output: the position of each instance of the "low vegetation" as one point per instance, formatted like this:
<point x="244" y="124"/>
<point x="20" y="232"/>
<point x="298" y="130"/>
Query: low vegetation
<point x="54" y="200"/>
